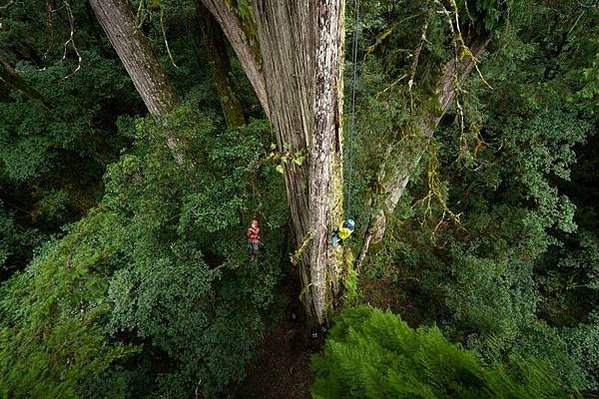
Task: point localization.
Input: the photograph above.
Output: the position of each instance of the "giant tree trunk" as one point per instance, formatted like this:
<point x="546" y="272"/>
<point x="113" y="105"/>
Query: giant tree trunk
<point x="297" y="76"/>
<point x="407" y="160"/>
<point x="221" y="67"/>
<point x="140" y="61"/>
<point x="302" y="56"/>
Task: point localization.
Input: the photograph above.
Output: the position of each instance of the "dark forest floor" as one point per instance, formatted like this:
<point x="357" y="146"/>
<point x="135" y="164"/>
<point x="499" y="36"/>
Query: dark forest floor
<point x="281" y="369"/>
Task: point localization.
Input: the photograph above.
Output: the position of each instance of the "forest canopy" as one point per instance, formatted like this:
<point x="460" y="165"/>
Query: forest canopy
<point x="328" y="199"/>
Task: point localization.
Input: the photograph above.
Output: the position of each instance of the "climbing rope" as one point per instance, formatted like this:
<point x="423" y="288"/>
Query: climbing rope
<point x="353" y="107"/>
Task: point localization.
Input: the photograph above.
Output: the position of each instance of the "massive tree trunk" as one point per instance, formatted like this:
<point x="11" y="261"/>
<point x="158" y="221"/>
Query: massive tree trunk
<point x="297" y="75"/>
<point x="302" y="58"/>
<point x="406" y="161"/>
<point x="221" y="67"/>
<point x="140" y="61"/>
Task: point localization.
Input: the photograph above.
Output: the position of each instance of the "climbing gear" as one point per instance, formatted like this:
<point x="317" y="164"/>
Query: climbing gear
<point x="344" y="231"/>
<point x="353" y="108"/>
<point x="253" y="237"/>
<point x="335" y="239"/>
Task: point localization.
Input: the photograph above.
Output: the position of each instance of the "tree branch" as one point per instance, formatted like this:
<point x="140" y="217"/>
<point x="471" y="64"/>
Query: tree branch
<point x="250" y="60"/>
<point x="10" y="78"/>
<point x="454" y="72"/>
<point x="140" y="62"/>
<point x="221" y="66"/>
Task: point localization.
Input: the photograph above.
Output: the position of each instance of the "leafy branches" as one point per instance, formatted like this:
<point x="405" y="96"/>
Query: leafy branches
<point x="374" y="354"/>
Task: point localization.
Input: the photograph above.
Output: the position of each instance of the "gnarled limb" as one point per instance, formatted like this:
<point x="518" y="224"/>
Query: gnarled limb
<point x="394" y="185"/>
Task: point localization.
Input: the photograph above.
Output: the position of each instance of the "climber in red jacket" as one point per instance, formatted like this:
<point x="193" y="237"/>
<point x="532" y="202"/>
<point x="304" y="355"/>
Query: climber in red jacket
<point x="253" y="236"/>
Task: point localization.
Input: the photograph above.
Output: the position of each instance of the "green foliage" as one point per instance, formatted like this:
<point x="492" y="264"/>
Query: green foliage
<point x="33" y="138"/>
<point x="374" y="354"/>
<point x="161" y="263"/>
<point x="57" y="130"/>
<point x="151" y="294"/>
<point x="590" y="78"/>
<point x="188" y="287"/>
<point x="15" y="242"/>
<point x="568" y="276"/>
<point x="583" y="345"/>
<point x="51" y="324"/>
<point x="515" y="277"/>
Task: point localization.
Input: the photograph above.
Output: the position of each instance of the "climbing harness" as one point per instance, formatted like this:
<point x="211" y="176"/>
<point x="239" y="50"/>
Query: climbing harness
<point x="343" y="232"/>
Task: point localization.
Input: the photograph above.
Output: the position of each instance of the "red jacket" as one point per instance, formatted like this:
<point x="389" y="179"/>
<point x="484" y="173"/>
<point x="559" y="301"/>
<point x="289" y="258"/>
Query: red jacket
<point x="253" y="235"/>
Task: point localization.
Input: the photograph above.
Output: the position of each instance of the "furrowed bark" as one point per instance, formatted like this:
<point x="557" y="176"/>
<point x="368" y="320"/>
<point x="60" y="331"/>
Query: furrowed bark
<point x="302" y="47"/>
<point x="221" y="67"/>
<point x="398" y="181"/>
<point x="326" y="174"/>
<point x="298" y="77"/>
<point x="140" y="61"/>
<point x="290" y="98"/>
<point x="248" y="56"/>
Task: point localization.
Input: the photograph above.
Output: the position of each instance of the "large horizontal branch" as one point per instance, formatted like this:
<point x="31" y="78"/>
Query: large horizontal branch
<point x="249" y="58"/>
<point x="394" y="185"/>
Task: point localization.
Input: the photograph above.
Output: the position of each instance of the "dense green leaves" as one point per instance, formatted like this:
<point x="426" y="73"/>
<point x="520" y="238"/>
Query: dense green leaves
<point x="374" y="354"/>
<point x="514" y="276"/>
<point x="149" y="267"/>
<point x="52" y="318"/>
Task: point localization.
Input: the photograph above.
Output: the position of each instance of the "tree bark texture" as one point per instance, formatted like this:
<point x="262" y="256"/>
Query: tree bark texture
<point x="140" y="61"/>
<point x="407" y="160"/>
<point x="221" y="67"/>
<point x="301" y="44"/>
<point x="246" y="51"/>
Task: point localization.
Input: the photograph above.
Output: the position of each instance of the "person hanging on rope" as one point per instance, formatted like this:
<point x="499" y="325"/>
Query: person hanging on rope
<point x="253" y="236"/>
<point x="343" y="232"/>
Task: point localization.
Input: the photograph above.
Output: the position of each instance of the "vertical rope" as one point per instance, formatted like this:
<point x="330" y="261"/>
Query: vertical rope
<point x="353" y="107"/>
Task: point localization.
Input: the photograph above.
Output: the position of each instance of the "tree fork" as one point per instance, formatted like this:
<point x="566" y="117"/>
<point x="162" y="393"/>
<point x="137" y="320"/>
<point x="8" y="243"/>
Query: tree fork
<point x="221" y="67"/>
<point x="250" y="60"/>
